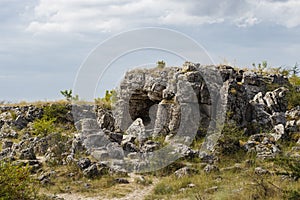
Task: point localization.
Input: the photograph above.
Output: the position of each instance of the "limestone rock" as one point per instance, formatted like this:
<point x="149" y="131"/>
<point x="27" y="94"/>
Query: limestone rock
<point x="91" y="171"/>
<point x="211" y="168"/>
<point x="137" y="129"/>
<point x="263" y="144"/>
<point x="115" y="151"/>
<point x="84" y="163"/>
<point x="279" y="132"/>
<point x="185" y="171"/>
<point x="105" y="120"/>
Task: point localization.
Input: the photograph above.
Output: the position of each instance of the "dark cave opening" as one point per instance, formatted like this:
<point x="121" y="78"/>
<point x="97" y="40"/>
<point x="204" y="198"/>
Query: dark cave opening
<point x="139" y="106"/>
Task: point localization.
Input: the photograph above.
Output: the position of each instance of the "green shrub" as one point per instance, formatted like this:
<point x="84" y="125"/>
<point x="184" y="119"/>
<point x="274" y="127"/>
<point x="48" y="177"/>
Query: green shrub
<point x="161" y="64"/>
<point x="294" y="80"/>
<point x="56" y="111"/>
<point x="16" y="183"/>
<point x="293" y="97"/>
<point x="69" y="96"/>
<point x="229" y="142"/>
<point x="109" y="98"/>
<point x="43" y="126"/>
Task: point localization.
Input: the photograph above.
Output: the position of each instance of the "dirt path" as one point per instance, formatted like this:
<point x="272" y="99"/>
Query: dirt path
<point x="137" y="194"/>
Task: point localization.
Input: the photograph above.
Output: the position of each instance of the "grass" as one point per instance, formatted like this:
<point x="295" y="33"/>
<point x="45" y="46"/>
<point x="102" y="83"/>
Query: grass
<point x="104" y="186"/>
<point x="244" y="184"/>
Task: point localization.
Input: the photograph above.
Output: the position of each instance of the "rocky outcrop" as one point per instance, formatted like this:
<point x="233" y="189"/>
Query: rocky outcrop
<point x="158" y="103"/>
<point x="160" y="108"/>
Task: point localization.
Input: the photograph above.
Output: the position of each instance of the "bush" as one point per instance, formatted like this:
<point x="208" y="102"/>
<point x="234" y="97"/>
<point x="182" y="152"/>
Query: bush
<point x="293" y="98"/>
<point x="294" y="80"/>
<point x="43" y="126"/>
<point x="229" y="142"/>
<point x="56" y="111"/>
<point x="16" y="183"/>
<point x="106" y="102"/>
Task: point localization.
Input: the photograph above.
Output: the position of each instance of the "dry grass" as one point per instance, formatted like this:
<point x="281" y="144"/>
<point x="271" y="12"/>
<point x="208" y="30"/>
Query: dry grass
<point x="228" y="185"/>
<point x="104" y="187"/>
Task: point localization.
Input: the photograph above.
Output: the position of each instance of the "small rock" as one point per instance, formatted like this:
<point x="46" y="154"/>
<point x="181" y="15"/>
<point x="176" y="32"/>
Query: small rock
<point x="130" y="147"/>
<point x="185" y="171"/>
<point x="84" y="163"/>
<point x="207" y="158"/>
<point x="137" y="129"/>
<point x="261" y="171"/>
<point x="100" y="154"/>
<point x="210" y="168"/>
<point x="278" y="132"/>
<point x="91" y="172"/>
<point x="7" y="144"/>
<point x="87" y="185"/>
<point x="211" y="190"/>
<point x="121" y="181"/>
<point x="116" y="137"/>
<point x="44" y="179"/>
<point x="150" y="146"/>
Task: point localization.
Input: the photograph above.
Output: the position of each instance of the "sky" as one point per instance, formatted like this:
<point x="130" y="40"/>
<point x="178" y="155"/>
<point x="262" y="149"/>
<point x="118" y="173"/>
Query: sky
<point x="43" y="43"/>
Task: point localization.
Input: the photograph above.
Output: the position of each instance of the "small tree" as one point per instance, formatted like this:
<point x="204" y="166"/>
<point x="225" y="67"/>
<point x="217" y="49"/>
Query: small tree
<point x="261" y="67"/>
<point x="107" y="101"/>
<point x="161" y="64"/>
<point x="68" y="95"/>
<point x="295" y="70"/>
<point x="16" y="182"/>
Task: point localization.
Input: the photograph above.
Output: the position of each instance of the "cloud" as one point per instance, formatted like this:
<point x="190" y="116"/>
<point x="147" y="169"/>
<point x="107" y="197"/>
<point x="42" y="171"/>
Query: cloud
<point x="113" y="15"/>
<point x="282" y="12"/>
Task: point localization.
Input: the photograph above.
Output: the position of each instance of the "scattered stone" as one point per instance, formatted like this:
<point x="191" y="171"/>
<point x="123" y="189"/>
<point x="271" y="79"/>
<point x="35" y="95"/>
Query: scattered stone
<point x="210" y="168"/>
<point x="184" y="151"/>
<point x="212" y="189"/>
<point x="236" y="167"/>
<point x="150" y="146"/>
<point x="185" y="171"/>
<point x="44" y="179"/>
<point x="263" y="144"/>
<point x="261" y="171"/>
<point x="84" y="163"/>
<point x="121" y="181"/>
<point x="91" y="171"/>
<point x="7" y="144"/>
<point x="278" y="132"/>
<point x="130" y="147"/>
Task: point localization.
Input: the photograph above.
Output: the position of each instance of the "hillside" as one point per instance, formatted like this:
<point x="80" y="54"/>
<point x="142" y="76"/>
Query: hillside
<point x="190" y="132"/>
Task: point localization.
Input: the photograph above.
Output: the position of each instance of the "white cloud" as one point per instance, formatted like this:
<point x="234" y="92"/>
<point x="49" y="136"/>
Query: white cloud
<point x="286" y="13"/>
<point x="113" y="15"/>
<point x="247" y="20"/>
